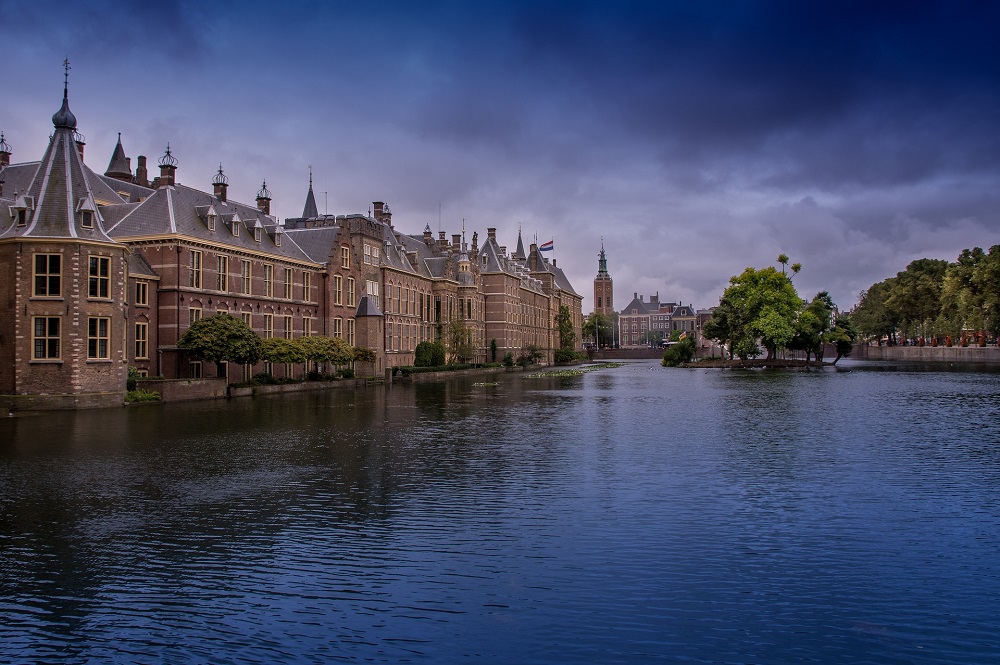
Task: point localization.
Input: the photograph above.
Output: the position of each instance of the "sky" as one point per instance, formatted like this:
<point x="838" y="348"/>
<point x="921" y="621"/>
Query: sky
<point x="692" y="138"/>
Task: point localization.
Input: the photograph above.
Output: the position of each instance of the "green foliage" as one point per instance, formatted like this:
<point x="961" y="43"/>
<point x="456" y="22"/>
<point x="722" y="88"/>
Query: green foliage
<point x="566" y="356"/>
<point x="530" y="355"/>
<point x="493" y="350"/>
<point x="813" y="326"/>
<point x="599" y="328"/>
<point x="758" y="304"/>
<point x="133" y="378"/>
<point x="364" y="354"/>
<point x="134" y="395"/>
<point x="842" y="336"/>
<point x="429" y="354"/>
<point x="459" y="339"/>
<point x="508" y="359"/>
<point x="347" y="373"/>
<point x="564" y="322"/>
<point x="280" y="350"/>
<point x="322" y="349"/>
<point x="679" y="353"/>
<point x="222" y="338"/>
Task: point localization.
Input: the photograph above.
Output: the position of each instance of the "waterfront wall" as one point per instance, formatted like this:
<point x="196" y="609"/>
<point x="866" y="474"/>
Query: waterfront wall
<point x="15" y="404"/>
<point x="951" y="354"/>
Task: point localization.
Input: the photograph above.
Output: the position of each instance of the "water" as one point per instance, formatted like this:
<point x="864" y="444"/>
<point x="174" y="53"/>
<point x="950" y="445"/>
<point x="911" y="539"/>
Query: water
<point x="629" y="515"/>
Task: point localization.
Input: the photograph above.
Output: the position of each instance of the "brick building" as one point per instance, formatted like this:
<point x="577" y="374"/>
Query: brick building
<point x="104" y="271"/>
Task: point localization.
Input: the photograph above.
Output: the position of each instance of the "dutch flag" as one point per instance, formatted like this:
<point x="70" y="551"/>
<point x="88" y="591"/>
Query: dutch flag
<point x="546" y="246"/>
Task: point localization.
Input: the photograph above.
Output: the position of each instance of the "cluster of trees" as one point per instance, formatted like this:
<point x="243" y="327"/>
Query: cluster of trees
<point x="600" y="328"/>
<point x="934" y="299"/>
<point x="225" y="338"/>
<point x="762" y="308"/>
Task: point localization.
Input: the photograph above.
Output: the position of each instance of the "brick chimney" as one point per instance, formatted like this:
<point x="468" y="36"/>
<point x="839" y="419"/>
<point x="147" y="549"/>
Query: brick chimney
<point x="168" y="169"/>
<point x="382" y="213"/>
<point x="456" y="242"/>
<point x="221" y="183"/>
<point x="141" y="175"/>
<point x="442" y="241"/>
<point x="491" y="234"/>
<point x="264" y="199"/>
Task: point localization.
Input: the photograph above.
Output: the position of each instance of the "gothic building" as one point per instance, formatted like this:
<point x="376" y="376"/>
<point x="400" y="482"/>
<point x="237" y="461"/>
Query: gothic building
<point x="604" y="291"/>
<point x="100" y="272"/>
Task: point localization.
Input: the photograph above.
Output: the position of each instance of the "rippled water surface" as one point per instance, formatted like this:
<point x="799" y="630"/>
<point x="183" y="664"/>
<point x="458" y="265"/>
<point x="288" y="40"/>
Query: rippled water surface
<point x="629" y="515"/>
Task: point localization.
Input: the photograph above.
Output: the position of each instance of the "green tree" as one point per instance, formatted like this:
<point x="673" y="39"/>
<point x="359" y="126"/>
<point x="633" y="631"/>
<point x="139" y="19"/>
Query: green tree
<point x="599" y="328"/>
<point x="320" y="349"/>
<point x="564" y="322"/>
<point x="679" y="353"/>
<point x="842" y="337"/>
<point x="459" y="341"/>
<point x="783" y="260"/>
<point x="764" y="306"/>
<point x="915" y="295"/>
<point x="813" y="326"/>
<point x="363" y="354"/>
<point x="493" y="350"/>
<point x="281" y="350"/>
<point x="872" y="318"/>
<point x="429" y="354"/>
<point x="222" y="338"/>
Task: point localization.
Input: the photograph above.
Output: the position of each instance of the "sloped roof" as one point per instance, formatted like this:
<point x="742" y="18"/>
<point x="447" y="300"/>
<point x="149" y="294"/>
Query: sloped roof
<point x="137" y="265"/>
<point x="317" y="242"/>
<point x="119" y="166"/>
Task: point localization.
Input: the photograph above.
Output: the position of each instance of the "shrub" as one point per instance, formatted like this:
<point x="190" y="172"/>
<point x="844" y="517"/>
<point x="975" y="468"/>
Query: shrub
<point x="566" y="355"/>
<point x="142" y="396"/>
<point x="428" y="354"/>
<point x="347" y="373"/>
<point x="508" y="359"/>
<point x="679" y="353"/>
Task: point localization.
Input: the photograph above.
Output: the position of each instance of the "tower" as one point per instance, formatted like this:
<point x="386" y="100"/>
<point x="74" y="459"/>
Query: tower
<point x="603" y="287"/>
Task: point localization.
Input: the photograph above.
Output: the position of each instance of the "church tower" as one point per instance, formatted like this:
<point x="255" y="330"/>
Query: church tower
<point x="603" y="287"/>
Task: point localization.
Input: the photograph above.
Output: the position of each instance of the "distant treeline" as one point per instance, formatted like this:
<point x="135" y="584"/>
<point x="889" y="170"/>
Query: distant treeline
<point x="936" y="301"/>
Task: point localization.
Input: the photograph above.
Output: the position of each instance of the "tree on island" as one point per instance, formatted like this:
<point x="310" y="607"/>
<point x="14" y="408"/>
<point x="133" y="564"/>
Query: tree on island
<point x="813" y="327"/>
<point x="680" y="349"/>
<point x="757" y="305"/>
<point x="220" y="339"/>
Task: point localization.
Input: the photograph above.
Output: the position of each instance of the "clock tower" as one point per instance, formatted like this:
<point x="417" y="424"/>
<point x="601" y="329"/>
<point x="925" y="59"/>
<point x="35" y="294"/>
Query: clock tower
<point x="603" y="287"/>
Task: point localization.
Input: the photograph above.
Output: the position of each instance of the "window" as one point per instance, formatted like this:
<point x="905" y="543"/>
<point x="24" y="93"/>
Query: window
<point x="195" y="369"/>
<point x="268" y="280"/>
<point x="338" y="327"/>
<point x="223" y="283"/>
<point x="351" y="301"/>
<point x="194" y="315"/>
<point x="97" y="338"/>
<point x="87" y="219"/>
<point x="142" y="340"/>
<point x="373" y="292"/>
<point x="374" y="256"/>
<point x="368" y="255"/>
<point x="236" y="226"/>
<point x="345" y="257"/>
<point x="268" y="326"/>
<point x="307" y="285"/>
<point x="246" y="271"/>
<point x="350" y="331"/>
<point x="307" y="326"/>
<point x="256" y="233"/>
<point x="48" y="275"/>
<point x="195" y="279"/>
<point x="288" y="326"/>
<point x="100" y="277"/>
<point x="45" y="337"/>
<point x="288" y="283"/>
<point x="246" y="316"/>
<point x="142" y="293"/>
<point x="388" y="298"/>
<point x="211" y="222"/>
<point x="22" y="217"/>
<point x="338" y="290"/>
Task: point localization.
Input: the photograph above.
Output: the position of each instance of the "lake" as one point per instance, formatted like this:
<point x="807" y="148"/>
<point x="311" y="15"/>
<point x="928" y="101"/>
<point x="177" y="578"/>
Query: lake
<point x="627" y="515"/>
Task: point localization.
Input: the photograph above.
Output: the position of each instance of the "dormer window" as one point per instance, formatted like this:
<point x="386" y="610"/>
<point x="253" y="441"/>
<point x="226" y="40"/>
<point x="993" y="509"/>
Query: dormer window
<point x="277" y="238"/>
<point x="256" y="234"/>
<point x="86" y="219"/>
<point x="22" y="217"/>
<point x="236" y="226"/>
<point x="211" y="221"/>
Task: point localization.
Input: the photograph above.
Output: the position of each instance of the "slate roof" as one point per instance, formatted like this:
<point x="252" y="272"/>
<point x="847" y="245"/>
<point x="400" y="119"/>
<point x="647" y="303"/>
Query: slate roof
<point x="367" y="307"/>
<point x="137" y="265"/>
<point x="60" y="191"/>
<point x="316" y="242"/>
<point x="119" y="166"/>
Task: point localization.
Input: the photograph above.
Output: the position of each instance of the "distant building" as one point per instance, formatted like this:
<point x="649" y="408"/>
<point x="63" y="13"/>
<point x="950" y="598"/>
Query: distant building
<point x="640" y="318"/>
<point x="604" y="291"/>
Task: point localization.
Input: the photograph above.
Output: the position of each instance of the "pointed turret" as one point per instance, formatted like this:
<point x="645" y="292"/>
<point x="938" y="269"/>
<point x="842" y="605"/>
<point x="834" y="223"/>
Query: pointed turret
<point x="310" y="211"/>
<point x="119" y="167"/>
<point x="519" y="253"/>
<point x="5" y="150"/>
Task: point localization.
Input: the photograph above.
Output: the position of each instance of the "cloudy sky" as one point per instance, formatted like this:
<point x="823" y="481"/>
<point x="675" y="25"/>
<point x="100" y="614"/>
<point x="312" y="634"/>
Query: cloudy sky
<point x="695" y="138"/>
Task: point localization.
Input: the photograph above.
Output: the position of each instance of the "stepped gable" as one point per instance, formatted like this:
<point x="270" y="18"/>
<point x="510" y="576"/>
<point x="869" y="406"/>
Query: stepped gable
<point x="59" y="201"/>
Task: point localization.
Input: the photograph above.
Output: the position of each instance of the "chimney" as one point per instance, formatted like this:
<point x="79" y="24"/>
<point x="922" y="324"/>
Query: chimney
<point x="533" y="257"/>
<point x="382" y="213"/>
<point x="128" y="160"/>
<point x="456" y="241"/>
<point x="264" y="199"/>
<point x="442" y="241"/>
<point x="635" y="294"/>
<point x="221" y="184"/>
<point x="141" y="175"/>
<point x="491" y="234"/>
<point x="554" y="263"/>
<point x="428" y="236"/>
<point x="168" y="169"/>
<point x="475" y="242"/>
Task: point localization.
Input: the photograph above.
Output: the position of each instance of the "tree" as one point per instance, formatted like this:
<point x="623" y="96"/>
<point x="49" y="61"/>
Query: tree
<point x="321" y="349"/>
<point x="493" y="350"/>
<point x="460" y="341"/>
<point x="429" y="354"/>
<point x="222" y="338"/>
<point x="679" y="352"/>
<point x="872" y="317"/>
<point x="813" y="325"/>
<point x="763" y="305"/>
<point x="915" y="296"/>
<point x="363" y="354"/>
<point x="599" y="328"/>
<point x="564" y="322"/>
<point x="783" y="260"/>
<point x="281" y="350"/>
<point x="842" y="336"/>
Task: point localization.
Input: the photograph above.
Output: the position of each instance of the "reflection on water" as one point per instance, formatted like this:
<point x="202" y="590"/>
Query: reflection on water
<point x="634" y="514"/>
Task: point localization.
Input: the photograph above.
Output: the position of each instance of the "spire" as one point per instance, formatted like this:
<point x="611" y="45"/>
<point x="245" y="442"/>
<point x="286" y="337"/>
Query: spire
<point x="64" y="118"/>
<point x="118" y="167"/>
<point x="602" y="263"/>
<point x="5" y="151"/>
<point x="519" y="254"/>
<point x="310" y="211"/>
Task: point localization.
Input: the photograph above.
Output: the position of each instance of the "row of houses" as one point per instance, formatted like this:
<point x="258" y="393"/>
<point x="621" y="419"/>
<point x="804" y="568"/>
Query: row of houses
<point x="102" y="271"/>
